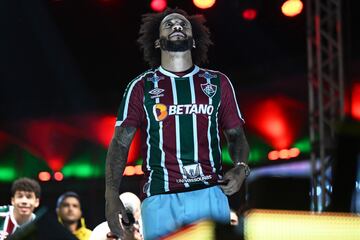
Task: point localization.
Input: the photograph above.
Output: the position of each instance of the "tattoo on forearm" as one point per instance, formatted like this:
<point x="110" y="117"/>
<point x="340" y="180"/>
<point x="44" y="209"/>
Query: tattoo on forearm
<point x="117" y="156"/>
<point x="237" y="144"/>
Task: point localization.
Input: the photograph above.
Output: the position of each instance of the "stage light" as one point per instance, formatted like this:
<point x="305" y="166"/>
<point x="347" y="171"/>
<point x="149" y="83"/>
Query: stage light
<point x="284" y="154"/>
<point x="291" y="8"/>
<point x="204" y="4"/>
<point x="58" y="176"/>
<point x="355" y="101"/>
<point x="294" y="152"/>
<point x="158" y="5"/>
<point x="138" y="170"/>
<point x="249" y="14"/>
<point x="44" y="176"/>
<point x="273" y="155"/>
<point x="129" y="171"/>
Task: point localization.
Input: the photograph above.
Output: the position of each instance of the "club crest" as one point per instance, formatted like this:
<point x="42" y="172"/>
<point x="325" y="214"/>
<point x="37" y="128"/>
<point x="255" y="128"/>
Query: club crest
<point x="209" y="89"/>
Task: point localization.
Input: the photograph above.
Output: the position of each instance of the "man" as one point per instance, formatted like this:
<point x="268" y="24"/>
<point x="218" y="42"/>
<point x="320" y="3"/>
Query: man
<point x="68" y="209"/>
<point x="179" y="109"/>
<point x="132" y="205"/>
<point x="25" y="195"/>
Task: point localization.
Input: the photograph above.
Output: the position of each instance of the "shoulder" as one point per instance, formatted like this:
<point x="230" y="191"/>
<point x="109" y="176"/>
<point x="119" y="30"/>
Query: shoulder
<point x="4" y="210"/>
<point x="143" y="76"/>
<point x="222" y="76"/>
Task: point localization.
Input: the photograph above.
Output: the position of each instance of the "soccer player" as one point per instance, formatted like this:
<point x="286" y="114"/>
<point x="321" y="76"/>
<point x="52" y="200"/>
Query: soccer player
<point x="180" y="110"/>
<point x="25" y="195"/>
<point x="68" y="209"/>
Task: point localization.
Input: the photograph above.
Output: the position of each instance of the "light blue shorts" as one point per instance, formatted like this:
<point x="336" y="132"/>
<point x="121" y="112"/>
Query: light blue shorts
<point x="163" y="214"/>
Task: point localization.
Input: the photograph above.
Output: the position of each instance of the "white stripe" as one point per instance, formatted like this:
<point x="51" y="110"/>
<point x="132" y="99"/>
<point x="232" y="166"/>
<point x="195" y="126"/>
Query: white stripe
<point x="148" y="151"/>
<point x="209" y="140"/>
<point x="118" y="123"/>
<point x="127" y="99"/>
<point x="177" y="133"/>
<point x="161" y="143"/>
<point x="6" y="222"/>
<point x="149" y="182"/>
<point x="196" y="143"/>
<point x="217" y="133"/>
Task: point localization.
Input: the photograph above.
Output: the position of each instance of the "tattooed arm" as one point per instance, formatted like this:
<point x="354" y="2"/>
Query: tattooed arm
<point x="115" y="164"/>
<point x="239" y="153"/>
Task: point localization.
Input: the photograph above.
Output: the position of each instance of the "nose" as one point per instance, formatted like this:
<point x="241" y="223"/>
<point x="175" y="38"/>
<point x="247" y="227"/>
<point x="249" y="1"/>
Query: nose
<point x="177" y="27"/>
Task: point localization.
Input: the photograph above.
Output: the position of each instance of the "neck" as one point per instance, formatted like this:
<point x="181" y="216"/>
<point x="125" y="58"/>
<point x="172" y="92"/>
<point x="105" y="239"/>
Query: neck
<point x="176" y="61"/>
<point x="20" y="219"/>
<point x="71" y="226"/>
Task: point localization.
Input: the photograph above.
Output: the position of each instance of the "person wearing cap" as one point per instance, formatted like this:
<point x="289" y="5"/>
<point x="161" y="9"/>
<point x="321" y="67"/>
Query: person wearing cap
<point x="68" y="210"/>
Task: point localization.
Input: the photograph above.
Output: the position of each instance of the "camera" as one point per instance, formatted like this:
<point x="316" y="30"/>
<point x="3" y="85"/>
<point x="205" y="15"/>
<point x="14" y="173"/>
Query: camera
<point x="130" y="217"/>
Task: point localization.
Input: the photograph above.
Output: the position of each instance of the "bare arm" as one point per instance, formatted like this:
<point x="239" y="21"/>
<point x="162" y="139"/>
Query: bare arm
<point x="115" y="164"/>
<point x="239" y="153"/>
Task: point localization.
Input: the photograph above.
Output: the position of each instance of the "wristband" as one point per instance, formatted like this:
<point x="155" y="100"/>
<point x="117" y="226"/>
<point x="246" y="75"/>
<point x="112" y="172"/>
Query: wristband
<point x="245" y="166"/>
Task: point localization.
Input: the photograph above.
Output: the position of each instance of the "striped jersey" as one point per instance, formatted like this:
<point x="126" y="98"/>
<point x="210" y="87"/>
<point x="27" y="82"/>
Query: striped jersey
<point x="8" y="224"/>
<point x="180" y="119"/>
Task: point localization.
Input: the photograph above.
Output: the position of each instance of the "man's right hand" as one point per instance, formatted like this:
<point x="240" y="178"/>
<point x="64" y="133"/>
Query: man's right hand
<point x="113" y="209"/>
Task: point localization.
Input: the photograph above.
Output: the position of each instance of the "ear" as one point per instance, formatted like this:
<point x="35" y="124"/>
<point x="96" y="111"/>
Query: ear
<point x="12" y="201"/>
<point x="157" y="43"/>
<point x="37" y="202"/>
<point x="194" y="45"/>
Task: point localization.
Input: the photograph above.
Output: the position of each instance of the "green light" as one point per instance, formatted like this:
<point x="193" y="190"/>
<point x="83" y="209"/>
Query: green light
<point x="256" y="155"/>
<point x="303" y="145"/>
<point x="84" y="167"/>
<point x="7" y="174"/>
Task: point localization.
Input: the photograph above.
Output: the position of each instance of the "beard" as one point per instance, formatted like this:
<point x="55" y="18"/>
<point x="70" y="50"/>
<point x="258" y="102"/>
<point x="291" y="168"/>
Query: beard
<point x="176" y="46"/>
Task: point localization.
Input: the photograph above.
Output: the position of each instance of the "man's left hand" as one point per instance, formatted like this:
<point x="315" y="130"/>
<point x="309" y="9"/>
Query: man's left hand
<point x="233" y="180"/>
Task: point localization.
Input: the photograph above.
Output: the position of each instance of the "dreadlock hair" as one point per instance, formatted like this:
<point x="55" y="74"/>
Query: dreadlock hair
<point x="27" y="185"/>
<point x="149" y="33"/>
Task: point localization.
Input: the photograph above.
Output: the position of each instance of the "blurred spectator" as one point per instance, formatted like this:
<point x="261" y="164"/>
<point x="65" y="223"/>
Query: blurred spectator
<point x="68" y="209"/>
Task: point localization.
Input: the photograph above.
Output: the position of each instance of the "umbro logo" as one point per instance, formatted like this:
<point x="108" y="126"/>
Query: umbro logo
<point x="156" y="93"/>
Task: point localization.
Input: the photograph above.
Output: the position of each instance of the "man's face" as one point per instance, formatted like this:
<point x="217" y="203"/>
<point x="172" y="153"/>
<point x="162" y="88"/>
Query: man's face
<point x="24" y="203"/>
<point x="69" y="210"/>
<point x="175" y="33"/>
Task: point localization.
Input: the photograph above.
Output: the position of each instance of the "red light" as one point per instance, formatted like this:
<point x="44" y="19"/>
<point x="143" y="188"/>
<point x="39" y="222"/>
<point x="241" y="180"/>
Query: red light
<point x="158" y="5"/>
<point x="204" y="4"/>
<point x="44" y="176"/>
<point x="273" y="155"/>
<point x="291" y="8"/>
<point x="58" y="176"/>
<point x="284" y="154"/>
<point x="249" y="14"/>
<point x="294" y="152"/>
<point x="355" y="101"/>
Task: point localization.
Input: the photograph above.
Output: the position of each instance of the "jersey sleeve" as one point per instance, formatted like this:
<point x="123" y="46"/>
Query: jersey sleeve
<point x="131" y="111"/>
<point x="229" y="112"/>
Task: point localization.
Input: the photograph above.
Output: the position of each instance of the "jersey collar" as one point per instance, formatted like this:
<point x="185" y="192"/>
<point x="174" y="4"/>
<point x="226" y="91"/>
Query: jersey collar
<point x="170" y="74"/>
